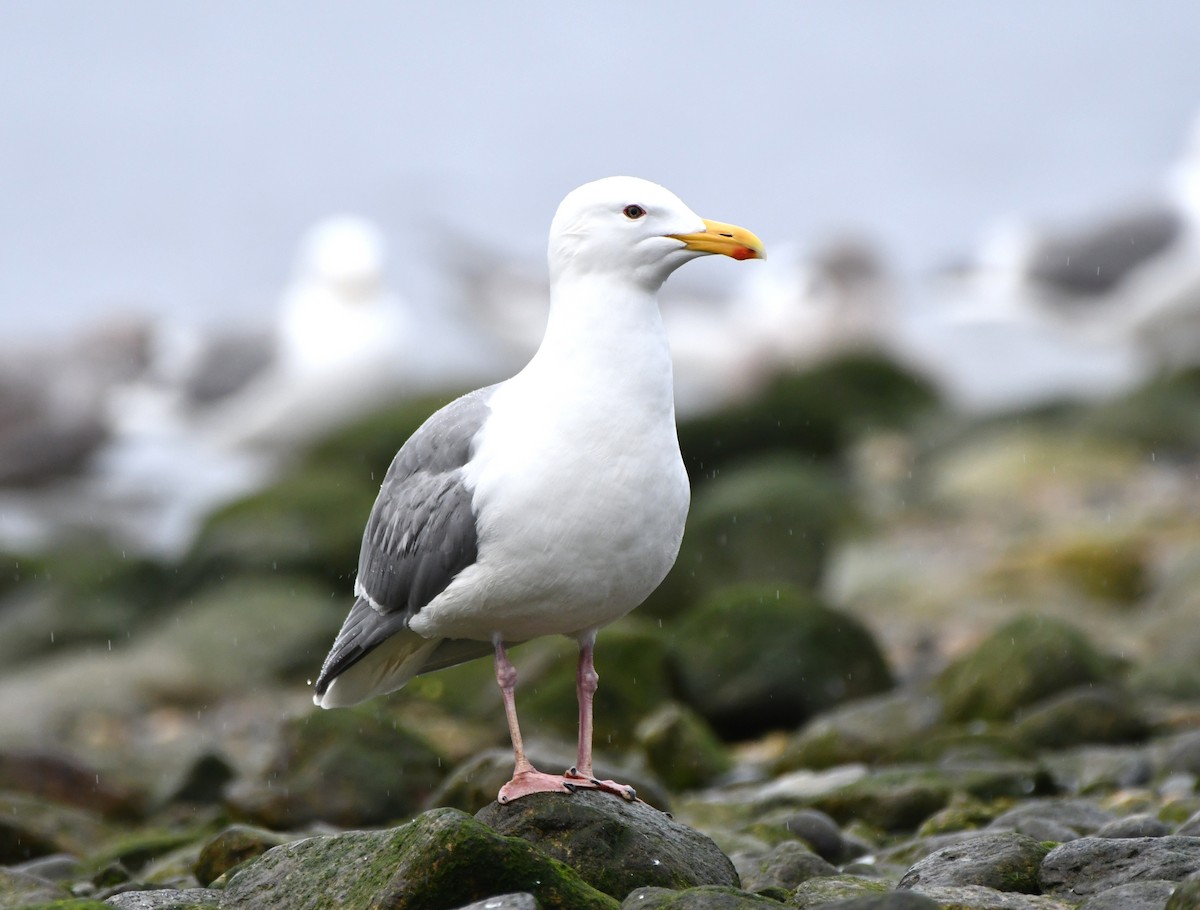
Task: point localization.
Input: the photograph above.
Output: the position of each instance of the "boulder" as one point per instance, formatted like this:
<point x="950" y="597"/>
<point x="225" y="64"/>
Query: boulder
<point x="614" y="845"/>
<point x="443" y="858"/>
<point x="233" y="846"/>
<point x="1090" y="865"/>
<point x="681" y="748"/>
<point x="1005" y="862"/>
<point x="785" y="866"/>
<point x="348" y="767"/>
<point x="754" y="658"/>
<point x="978" y="897"/>
<point x="1085" y="714"/>
<point x="1020" y="663"/>
<point x="705" y="897"/>
<point x="1150" y="895"/>
<point x="820" y="892"/>
<point x="874" y="729"/>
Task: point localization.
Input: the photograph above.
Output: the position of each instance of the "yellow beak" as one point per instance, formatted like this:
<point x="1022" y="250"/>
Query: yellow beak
<point x="726" y="239"/>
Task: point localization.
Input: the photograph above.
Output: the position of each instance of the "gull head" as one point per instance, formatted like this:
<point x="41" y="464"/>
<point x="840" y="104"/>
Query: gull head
<point x="637" y="230"/>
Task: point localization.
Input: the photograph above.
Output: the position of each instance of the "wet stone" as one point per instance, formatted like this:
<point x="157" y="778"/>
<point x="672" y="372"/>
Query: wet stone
<point x="1093" y="864"/>
<point x="820" y="832"/>
<point x="614" y="845"/>
<point x="1150" y="895"/>
<point x="1140" y="825"/>
<point x="785" y="866"/>
<point x="705" y="897"/>
<point x="1005" y="862"/>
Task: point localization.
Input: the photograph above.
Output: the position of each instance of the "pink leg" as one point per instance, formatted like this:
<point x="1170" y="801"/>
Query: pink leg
<point x="586" y="681"/>
<point x="526" y="778"/>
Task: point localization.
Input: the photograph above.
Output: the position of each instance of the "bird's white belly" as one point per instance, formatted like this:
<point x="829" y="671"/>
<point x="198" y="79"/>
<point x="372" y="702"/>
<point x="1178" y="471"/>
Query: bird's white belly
<point x="576" y="528"/>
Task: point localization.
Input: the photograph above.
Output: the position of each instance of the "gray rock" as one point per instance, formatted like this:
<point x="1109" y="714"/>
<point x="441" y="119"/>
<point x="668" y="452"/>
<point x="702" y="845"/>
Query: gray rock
<point x="874" y="729"/>
<point x="1182" y="753"/>
<point x="1141" y="825"/>
<point x="473" y="784"/>
<point x="166" y="899"/>
<point x="520" y="901"/>
<point x="57" y="867"/>
<point x="1093" y="864"/>
<point x="977" y="897"/>
<point x="1091" y="769"/>
<point x="614" y="845"/>
<point x="681" y="748"/>
<point x="820" y="832"/>
<point x="817" y="892"/>
<point x="891" y="900"/>
<point x="1085" y="714"/>
<point x="1191" y="827"/>
<point x="785" y="865"/>
<point x="1077" y="816"/>
<point x="349" y="767"/>
<point x="442" y="858"/>
<point x="706" y="897"/>
<point x="1005" y="862"/>
<point x="1019" y="664"/>
<point x="1150" y="895"/>
<point x="792" y="657"/>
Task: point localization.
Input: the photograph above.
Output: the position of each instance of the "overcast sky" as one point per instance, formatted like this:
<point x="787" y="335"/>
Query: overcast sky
<point x="167" y="155"/>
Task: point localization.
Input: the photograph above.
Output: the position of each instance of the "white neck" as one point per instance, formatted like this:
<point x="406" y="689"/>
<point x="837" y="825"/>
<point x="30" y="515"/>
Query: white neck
<point x="605" y="339"/>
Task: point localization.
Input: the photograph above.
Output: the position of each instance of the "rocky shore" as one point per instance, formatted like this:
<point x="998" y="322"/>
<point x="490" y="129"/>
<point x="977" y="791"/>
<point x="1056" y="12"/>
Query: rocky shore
<point x="906" y="660"/>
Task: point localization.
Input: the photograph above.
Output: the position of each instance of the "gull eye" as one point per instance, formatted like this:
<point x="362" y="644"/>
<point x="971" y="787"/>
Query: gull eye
<point x="634" y="212"/>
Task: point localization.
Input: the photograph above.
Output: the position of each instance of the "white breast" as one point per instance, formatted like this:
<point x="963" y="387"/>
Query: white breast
<point x="580" y="496"/>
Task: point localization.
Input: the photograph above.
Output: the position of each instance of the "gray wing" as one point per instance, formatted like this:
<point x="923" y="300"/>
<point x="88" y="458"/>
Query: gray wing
<point x="420" y="535"/>
<point x="1095" y="261"/>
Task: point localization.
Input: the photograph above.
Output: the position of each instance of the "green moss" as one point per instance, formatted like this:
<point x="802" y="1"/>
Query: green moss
<point x="1022" y="662"/>
<point x="443" y="858"/>
<point x="759" y="657"/>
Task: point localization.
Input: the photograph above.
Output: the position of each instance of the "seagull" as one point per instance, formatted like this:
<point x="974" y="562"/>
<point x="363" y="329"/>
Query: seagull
<point x="552" y="503"/>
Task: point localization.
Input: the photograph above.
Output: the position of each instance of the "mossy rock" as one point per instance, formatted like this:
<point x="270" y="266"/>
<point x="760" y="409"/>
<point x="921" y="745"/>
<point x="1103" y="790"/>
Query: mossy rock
<point x="754" y="658"/>
<point x="1020" y="663"/>
<point x="890" y="800"/>
<point x="614" y="845"/>
<point x="875" y="729"/>
<point x="1005" y="861"/>
<point x="348" y="767"/>
<point x="773" y="519"/>
<point x="681" y="748"/>
<point x="706" y="897"/>
<point x="442" y="859"/>
<point x="817" y="892"/>
<point x="1084" y="715"/>
<point x="232" y="846"/>
<point x="816" y="413"/>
